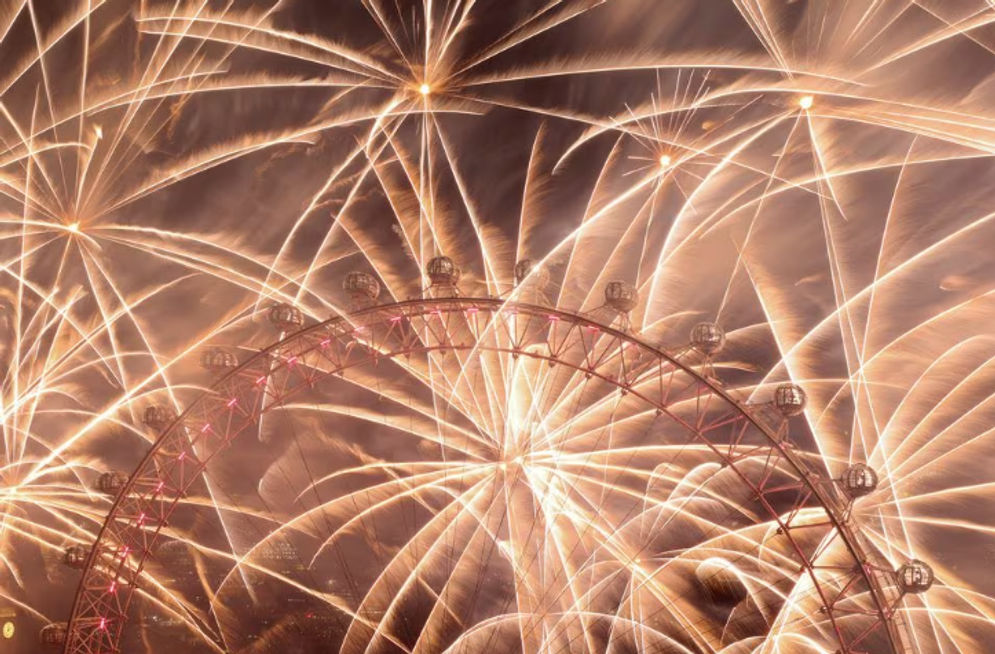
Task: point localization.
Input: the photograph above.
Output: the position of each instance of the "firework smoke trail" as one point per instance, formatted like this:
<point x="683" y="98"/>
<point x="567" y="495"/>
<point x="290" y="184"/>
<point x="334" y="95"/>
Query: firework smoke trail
<point x="795" y="183"/>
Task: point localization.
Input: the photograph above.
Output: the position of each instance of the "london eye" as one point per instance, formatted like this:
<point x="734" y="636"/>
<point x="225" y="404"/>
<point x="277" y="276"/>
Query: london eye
<point x="548" y="483"/>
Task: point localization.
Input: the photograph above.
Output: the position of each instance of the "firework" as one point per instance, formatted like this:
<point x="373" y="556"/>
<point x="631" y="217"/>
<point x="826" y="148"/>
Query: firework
<point x="650" y="330"/>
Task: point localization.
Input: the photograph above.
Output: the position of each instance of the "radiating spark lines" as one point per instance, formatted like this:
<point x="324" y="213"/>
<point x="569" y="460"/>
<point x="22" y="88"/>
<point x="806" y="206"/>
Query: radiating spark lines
<point x="811" y="176"/>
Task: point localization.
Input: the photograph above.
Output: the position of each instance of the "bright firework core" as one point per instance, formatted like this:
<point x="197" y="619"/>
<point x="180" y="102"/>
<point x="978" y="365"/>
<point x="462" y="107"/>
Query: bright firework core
<point x="465" y="326"/>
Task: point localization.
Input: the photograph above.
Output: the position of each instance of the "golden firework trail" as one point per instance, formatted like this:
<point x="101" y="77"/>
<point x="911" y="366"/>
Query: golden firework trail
<point x="811" y="176"/>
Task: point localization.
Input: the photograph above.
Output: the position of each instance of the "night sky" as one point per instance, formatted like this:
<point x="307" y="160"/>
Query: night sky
<point x="497" y="326"/>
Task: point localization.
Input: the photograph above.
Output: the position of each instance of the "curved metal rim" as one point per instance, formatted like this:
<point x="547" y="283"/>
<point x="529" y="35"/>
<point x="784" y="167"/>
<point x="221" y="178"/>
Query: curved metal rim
<point x="839" y="520"/>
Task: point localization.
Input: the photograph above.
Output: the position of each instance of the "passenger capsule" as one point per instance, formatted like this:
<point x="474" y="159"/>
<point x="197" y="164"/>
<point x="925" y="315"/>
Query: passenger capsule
<point x="915" y="577"/>
<point x="158" y="417"/>
<point x="75" y="556"/>
<point x="789" y="399"/>
<point x="217" y="359"/>
<point x="54" y="634"/>
<point x="526" y="268"/>
<point x="286" y="317"/>
<point x="707" y="337"/>
<point x="859" y="480"/>
<point x="442" y="271"/>
<point x="363" y="289"/>
<point x="111" y="483"/>
<point x="522" y="270"/>
<point x="621" y="296"/>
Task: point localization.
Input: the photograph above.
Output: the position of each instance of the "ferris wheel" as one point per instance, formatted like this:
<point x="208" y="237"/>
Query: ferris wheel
<point x="468" y="474"/>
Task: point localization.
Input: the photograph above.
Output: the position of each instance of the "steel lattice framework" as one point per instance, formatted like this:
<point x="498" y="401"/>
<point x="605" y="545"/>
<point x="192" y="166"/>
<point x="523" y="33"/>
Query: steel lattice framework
<point x="855" y="601"/>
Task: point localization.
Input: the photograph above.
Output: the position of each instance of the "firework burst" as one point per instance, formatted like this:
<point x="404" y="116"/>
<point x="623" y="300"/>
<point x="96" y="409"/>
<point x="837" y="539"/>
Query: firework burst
<point x="545" y="202"/>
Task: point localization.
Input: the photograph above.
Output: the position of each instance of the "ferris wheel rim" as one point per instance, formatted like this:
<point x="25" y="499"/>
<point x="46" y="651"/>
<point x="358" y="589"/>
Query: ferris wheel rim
<point x="843" y="526"/>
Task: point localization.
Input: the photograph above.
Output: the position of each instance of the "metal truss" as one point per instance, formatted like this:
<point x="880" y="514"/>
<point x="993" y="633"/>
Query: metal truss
<point x="855" y="597"/>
